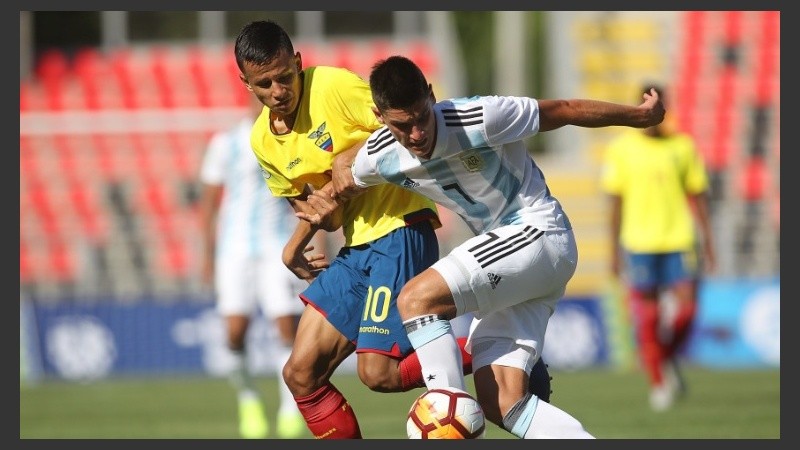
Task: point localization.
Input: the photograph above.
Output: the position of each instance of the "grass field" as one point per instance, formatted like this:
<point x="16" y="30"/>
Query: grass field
<point x="611" y="405"/>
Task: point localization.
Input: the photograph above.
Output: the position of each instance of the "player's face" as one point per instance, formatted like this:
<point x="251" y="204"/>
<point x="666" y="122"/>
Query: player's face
<point x="415" y="127"/>
<point x="277" y="84"/>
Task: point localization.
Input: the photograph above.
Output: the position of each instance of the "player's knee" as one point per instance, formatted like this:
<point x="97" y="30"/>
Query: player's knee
<point x="236" y="341"/>
<point x="380" y="374"/>
<point x="300" y="378"/>
<point x="411" y="301"/>
<point x="422" y="296"/>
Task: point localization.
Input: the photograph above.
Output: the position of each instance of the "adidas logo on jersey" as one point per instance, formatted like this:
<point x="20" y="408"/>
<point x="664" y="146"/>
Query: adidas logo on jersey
<point x="408" y="183"/>
<point x="493" y="279"/>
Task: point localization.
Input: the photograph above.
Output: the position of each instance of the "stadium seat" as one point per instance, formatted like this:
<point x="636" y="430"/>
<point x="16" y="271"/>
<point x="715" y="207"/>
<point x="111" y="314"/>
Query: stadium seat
<point x="421" y="53"/>
<point x="173" y="257"/>
<point x="51" y="66"/>
<point x="61" y="261"/>
<point x="42" y="196"/>
<point x="87" y="206"/>
<point x="240" y="93"/>
<point x="753" y="180"/>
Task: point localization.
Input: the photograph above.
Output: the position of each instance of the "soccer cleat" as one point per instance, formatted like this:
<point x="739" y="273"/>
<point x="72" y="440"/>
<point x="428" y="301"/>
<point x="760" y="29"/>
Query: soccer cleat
<point x="291" y="425"/>
<point x="661" y="397"/>
<point x="252" y="420"/>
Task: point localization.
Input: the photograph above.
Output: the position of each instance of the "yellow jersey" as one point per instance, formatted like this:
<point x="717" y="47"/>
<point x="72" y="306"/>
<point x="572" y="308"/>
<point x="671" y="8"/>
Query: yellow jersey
<point x="339" y="117"/>
<point x="654" y="176"/>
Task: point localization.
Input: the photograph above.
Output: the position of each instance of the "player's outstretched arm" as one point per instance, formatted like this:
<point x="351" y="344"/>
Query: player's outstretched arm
<point x="587" y="113"/>
<point x="344" y="187"/>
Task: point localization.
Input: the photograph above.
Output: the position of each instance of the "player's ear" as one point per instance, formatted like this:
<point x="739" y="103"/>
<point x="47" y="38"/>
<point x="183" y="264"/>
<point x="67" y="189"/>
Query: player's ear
<point x="299" y="61"/>
<point x="378" y="115"/>
<point x="246" y="83"/>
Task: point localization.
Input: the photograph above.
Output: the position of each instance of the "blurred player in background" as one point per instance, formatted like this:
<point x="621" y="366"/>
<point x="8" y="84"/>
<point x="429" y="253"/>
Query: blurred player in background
<point x="658" y="187"/>
<point x="468" y="155"/>
<point x="244" y="229"/>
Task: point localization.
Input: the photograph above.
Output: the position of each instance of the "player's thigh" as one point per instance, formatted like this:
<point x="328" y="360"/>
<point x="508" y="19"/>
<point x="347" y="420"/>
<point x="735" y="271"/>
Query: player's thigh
<point x="318" y="347"/>
<point x="235" y="285"/>
<point x="508" y="266"/>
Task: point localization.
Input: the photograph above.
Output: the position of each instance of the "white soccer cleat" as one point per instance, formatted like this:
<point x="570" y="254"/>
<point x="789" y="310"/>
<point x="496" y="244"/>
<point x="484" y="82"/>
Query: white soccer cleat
<point x="662" y="397"/>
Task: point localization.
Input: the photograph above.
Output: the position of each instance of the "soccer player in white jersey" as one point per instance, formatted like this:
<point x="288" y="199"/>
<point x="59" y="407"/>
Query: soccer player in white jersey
<point x="244" y="230"/>
<point x="468" y="155"/>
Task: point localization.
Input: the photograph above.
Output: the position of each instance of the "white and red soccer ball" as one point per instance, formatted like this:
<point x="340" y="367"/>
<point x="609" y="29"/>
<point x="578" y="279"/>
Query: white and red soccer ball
<point x="447" y="413"/>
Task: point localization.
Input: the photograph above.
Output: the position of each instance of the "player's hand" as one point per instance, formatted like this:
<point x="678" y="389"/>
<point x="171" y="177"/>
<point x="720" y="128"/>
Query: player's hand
<point x="344" y="187"/>
<point x="653" y="107"/>
<point x="322" y="210"/>
<point x="308" y="267"/>
<point x="315" y="263"/>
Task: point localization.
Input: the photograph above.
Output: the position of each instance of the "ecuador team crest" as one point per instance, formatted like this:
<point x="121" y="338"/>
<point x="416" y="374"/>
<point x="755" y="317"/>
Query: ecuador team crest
<point x="322" y="138"/>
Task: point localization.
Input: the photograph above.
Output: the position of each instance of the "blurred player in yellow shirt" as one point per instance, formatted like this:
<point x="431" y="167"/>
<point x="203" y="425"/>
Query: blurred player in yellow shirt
<point x="658" y="187"/>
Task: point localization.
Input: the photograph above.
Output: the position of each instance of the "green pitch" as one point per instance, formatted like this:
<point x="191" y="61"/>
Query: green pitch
<point x="613" y="405"/>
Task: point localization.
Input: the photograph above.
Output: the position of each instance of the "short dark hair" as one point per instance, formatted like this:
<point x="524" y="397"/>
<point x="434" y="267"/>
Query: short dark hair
<point x="260" y="42"/>
<point x="397" y="83"/>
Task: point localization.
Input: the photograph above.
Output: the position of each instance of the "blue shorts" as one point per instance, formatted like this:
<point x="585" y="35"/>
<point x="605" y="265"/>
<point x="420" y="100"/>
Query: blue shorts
<point x="358" y="292"/>
<point x="651" y="270"/>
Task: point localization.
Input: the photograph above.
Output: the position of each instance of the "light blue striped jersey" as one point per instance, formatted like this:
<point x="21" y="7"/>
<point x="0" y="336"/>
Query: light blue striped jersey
<point x="479" y="167"/>
<point x="251" y="220"/>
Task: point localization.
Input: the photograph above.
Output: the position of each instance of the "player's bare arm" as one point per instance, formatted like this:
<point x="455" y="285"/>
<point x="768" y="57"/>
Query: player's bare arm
<point x="294" y="257"/>
<point x="586" y="113"/>
<point x="343" y="184"/>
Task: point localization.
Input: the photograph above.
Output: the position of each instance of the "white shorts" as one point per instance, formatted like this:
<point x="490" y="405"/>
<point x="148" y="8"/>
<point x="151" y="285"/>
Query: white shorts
<point x="511" y="278"/>
<point x="244" y="284"/>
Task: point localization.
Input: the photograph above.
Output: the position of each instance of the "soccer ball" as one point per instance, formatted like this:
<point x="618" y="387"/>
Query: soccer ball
<point x="447" y="413"/>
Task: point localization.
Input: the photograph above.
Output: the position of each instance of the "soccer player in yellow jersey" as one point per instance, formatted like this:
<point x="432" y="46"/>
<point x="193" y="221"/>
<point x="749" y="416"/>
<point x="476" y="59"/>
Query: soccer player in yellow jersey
<point x="658" y="187"/>
<point x="311" y="115"/>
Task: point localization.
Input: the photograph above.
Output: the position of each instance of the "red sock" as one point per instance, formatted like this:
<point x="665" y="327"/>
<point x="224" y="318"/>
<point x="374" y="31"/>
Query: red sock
<point x="681" y="326"/>
<point x="411" y="371"/>
<point x="328" y="415"/>
<point x="651" y="351"/>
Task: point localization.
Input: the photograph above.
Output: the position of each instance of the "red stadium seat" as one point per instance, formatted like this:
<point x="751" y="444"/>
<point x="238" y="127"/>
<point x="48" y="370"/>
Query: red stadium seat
<point x="87" y="205"/>
<point x="61" y="259"/>
<point x="421" y="53"/>
<point x="174" y="257"/>
<point x="51" y="66"/>
<point x="46" y="207"/>
<point x="753" y="180"/>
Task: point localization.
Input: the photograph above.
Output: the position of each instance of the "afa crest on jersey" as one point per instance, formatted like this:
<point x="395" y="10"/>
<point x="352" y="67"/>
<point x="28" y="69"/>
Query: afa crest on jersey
<point x="322" y="139"/>
<point x="472" y="161"/>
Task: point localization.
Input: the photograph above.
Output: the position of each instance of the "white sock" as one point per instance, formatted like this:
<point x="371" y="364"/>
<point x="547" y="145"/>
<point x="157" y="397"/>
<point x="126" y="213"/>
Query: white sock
<point x="534" y="419"/>
<point x="437" y="349"/>
<point x="288" y="405"/>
